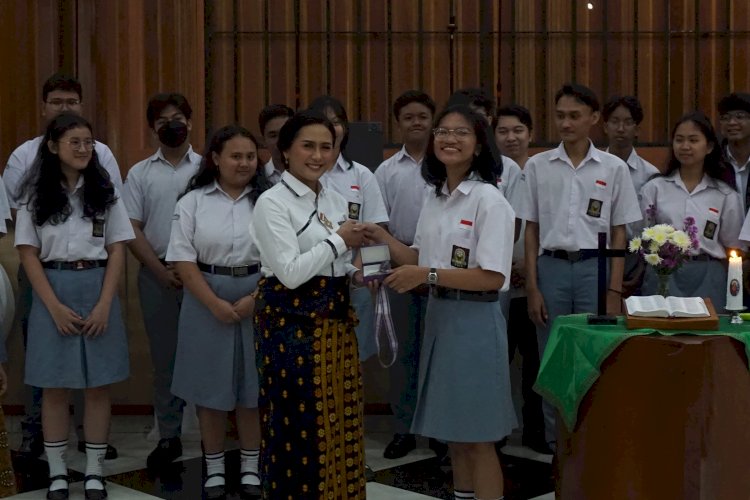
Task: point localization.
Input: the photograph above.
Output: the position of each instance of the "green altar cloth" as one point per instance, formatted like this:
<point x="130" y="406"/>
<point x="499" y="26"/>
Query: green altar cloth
<point x="576" y="350"/>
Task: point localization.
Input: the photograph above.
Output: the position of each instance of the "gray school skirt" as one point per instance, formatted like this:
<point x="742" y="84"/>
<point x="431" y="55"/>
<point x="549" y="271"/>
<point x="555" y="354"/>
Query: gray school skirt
<point x="75" y="361"/>
<point x="702" y="278"/>
<point x="464" y="381"/>
<point x="214" y="365"/>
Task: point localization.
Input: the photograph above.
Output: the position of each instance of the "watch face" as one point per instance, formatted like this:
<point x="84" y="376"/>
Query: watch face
<point x="432" y="278"/>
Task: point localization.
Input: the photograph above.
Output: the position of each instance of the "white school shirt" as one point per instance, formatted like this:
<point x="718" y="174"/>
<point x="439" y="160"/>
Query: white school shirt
<point x="73" y="239"/>
<point x="404" y="192"/>
<point x="641" y="172"/>
<point x="273" y="175"/>
<point x="209" y="226"/>
<point x="714" y="205"/>
<point x="4" y="208"/>
<point x="151" y="191"/>
<point x="741" y="174"/>
<point x="359" y="188"/>
<point x="295" y="232"/>
<point x="471" y="227"/>
<point x="23" y="157"/>
<point x="508" y="181"/>
<point x="572" y="205"/>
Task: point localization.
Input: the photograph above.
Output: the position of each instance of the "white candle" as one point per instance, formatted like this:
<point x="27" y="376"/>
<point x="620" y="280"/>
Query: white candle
<point x="734" y="282"/>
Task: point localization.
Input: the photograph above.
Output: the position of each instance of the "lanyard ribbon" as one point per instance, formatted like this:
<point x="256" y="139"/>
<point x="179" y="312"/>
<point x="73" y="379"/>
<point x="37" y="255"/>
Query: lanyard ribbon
<point x="383" y="321"/>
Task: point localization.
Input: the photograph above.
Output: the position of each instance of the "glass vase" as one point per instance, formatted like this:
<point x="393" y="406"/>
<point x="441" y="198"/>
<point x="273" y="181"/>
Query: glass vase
<point x="663" y="286"/>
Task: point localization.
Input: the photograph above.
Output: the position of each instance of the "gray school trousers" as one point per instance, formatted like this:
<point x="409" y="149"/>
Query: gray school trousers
<point x="161" y="311"/>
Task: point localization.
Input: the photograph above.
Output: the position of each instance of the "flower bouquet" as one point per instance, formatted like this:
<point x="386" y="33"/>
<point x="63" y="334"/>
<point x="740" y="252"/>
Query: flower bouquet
<point x="665" y="248"/>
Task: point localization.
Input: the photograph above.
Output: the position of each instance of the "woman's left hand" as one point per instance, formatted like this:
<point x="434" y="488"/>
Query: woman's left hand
<point x="245" y="306"/>
<point x="96" y="322"/>
<point x="404" y="278"/>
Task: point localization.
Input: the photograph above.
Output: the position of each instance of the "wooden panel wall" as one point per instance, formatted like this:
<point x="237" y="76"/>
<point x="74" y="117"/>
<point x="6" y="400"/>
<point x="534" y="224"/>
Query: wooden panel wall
<point x="231" y="57"/>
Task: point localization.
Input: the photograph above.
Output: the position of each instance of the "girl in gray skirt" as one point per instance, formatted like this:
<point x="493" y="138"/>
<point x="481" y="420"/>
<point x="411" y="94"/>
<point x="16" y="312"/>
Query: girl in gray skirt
<point x="71" y="231"/>
<point x="212" y="251"/>
<point x="462" y="249"/>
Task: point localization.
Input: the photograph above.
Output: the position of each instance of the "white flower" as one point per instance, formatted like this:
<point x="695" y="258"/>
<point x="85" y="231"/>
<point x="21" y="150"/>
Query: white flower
<point x="681" y="239"/>
<point x="660" y="234"/>
<point x="654" y="247"/>
<point x="652" y="259"/>
<point x="648" y="233"/>
<point x="664" y="228"/>
<point x="635" y="245"/>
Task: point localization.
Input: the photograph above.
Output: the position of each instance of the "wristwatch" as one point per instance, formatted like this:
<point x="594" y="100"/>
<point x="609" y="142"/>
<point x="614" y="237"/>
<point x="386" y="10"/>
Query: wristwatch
<point x="432" y="277"/>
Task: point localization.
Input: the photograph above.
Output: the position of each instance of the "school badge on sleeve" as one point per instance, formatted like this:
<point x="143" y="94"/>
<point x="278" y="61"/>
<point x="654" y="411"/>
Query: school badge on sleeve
<point x="460" y="257"/>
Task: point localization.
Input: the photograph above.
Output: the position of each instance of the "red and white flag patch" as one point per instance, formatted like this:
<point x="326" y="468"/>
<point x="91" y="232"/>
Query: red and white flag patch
<point x="601" y="183"/>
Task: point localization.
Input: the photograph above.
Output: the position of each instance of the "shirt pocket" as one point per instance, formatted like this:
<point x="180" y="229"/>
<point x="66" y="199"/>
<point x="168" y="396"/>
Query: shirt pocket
<point x="711" y="225"/>
<point x="596" y="204"/>
<point x="354" y="203"/>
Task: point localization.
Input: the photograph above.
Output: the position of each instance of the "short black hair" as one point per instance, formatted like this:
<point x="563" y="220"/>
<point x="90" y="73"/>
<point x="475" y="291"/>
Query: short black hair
<point x="273" y="111"/>
<point x="736" y="101"/>
<point x="474" y="96"/>
<point x="580" y="93"/>
<point x="61" y="81"/>
<point x="160" y="101"/>
<point x="629" y="102"/>
<point x="409" y="97"/>
<point x="520" y="112"/>
<point x="302" y="119"/>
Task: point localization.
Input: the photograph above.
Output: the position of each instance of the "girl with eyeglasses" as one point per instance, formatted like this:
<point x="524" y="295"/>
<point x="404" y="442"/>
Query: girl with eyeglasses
<point x="71" y="231"/>
<point x="462" y="249"/>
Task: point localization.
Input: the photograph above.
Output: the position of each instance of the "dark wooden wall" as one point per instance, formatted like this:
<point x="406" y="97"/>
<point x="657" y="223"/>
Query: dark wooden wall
<point x="230" y="57"/>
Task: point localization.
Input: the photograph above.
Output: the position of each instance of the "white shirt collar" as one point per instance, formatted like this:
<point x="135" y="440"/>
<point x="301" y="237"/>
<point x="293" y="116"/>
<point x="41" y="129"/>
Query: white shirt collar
<point x="159" y="156"/>
<point x="733" y="161"/>
<point x="217" y="187"/>
<point x="705" y="183"/>
<point x="633" y="159"/>
<point x="592" y="154"/>
<point x="402" y="154"/>
<point x="298" y="187"/>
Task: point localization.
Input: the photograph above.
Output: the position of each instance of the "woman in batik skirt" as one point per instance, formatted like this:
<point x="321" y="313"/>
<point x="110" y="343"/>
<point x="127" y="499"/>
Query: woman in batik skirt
<point x="310" y="383"/>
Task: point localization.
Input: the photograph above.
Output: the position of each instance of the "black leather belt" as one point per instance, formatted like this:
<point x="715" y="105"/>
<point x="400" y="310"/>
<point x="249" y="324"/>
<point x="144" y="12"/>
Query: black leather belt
<point x="442" y="292"/>
<point x="235" y="271"/>
<point x="76" y="265"/>
<point x="573" y="256"/>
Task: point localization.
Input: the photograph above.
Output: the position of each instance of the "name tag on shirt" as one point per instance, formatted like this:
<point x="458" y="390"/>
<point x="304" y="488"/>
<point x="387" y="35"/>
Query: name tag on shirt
<point x="594" y="208"/>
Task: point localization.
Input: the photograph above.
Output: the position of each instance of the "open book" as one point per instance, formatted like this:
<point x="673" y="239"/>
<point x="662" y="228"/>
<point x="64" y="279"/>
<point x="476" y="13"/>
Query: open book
<point x="656" y="306"/>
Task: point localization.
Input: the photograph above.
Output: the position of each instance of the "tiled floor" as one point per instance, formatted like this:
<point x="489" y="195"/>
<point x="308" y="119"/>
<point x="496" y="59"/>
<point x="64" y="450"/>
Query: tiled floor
<point x="416" y="476"/>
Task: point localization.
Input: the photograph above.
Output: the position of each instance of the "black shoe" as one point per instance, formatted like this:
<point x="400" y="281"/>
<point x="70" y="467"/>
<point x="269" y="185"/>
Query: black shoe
<point x="32" y="446"/>
<point x="400" y="446"/>
<point x="94" y="494"/>
<point x="249" y="491"/>
<point x="166" y="452"/>
<point x="62" y="494"/>
<point x="111" y="450"/>
<point x="440" y="448"/>
<point x="539" y="445"/>
<point x="214" y="492"/>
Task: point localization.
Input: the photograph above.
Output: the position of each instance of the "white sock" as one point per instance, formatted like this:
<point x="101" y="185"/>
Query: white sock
<point x="249" y="463"/>
<point x="463" y="495"/>
<point x="214" y="465"/>
<point x="94" y="458"/>
<point x="56" y="455"/>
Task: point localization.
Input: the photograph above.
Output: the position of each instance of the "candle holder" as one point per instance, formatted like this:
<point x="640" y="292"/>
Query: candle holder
<point x="735" y="312"/>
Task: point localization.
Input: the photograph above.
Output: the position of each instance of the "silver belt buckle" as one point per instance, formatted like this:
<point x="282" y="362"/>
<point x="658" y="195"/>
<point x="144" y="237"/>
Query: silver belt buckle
<point x="240" y="271"/>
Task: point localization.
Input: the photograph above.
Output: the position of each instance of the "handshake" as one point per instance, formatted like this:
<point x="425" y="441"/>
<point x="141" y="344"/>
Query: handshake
<point x="357" y="234"/>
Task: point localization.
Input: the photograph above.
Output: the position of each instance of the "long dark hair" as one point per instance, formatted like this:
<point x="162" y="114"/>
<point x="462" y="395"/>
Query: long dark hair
<point x="209" y="170"/>
<point x="43" y="187"/>
<point x="325" y="103"/>
<point x="487" y="164"/>
<point x="715" y="164"/>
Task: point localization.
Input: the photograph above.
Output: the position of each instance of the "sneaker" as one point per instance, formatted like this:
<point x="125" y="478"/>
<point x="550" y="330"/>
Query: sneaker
<point x="166" y="452"/>
<point x="111" y="450"/>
